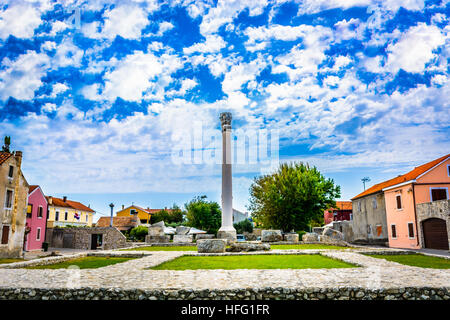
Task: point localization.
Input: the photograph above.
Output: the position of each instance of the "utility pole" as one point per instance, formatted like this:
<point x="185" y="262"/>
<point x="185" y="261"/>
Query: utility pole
<point x="364" y="180"/>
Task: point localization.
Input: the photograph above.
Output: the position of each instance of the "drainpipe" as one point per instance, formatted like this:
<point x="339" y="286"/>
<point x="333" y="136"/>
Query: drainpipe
<point x="415" y="214"/>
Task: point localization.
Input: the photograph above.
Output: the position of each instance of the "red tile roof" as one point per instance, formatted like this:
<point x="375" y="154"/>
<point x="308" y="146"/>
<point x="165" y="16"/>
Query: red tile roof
<point x="122" y="223"/>
<point x="57" y="202"/>
<point x="342" y="205"/>
<point x="4" y="156"/>
<point x="31" y="189"/>
<point x="413" y="174"/>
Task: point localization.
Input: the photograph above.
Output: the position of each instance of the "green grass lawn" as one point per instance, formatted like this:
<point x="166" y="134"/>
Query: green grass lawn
<point x="416" y="260"/>
<point x="253" y="262"/>
<point x="84" y="263"/>
<point x="306" y="246"/>
<point x="163" y="248"/>
<point x="10" y="260"/>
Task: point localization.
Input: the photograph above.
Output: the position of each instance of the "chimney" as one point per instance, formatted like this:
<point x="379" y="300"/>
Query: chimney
<point x="65" y="198"/>
<point x="165" y="208"/>
<point x="50" y="200"/>
<point x="123" y="207"/>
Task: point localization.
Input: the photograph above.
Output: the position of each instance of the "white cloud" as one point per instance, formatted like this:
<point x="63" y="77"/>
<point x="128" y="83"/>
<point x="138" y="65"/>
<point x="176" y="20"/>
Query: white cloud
<point x="58" y="88"/>
<point x="124" y="21"/>
<point x="212" y="44"/>
<point x="415" y="49"/>
<point x="67" y="54"/>
<point x="22" y="76"/>
<point x="19" y="21"/>
<point x="164" y="26"/>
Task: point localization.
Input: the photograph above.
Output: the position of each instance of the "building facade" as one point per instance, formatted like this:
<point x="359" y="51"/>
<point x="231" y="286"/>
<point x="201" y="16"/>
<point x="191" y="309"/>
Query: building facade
<point x="342" y="212"/>
<point x="13" y="199"/>
<point x="64" y="212"/>
<point x="36" y="222"/>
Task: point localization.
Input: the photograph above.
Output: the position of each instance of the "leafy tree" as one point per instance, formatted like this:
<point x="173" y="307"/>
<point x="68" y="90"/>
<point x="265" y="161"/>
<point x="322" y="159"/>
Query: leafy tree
<point x="203" y="214"/>
<point x="292" y="198"/>
<point x="175" y="216"/>
<point x="243" y="226"/>
<point x="139" y="233"/>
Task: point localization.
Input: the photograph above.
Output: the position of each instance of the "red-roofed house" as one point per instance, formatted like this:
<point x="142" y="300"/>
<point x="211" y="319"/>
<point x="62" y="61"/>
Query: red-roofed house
<point x="400" y="197"/>
<point x="63" y="212"/>
<point x="342" y="212"/>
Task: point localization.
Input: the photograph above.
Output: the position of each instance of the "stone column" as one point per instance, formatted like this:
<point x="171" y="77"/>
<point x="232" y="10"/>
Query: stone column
<point x="227" y="230"/>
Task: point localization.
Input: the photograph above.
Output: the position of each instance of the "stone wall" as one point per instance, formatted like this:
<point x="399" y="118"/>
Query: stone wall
<point x="436" y="209"/>
<point x="80" y="238"/>
<point x="346" y="228"/>
<point x="343" y="293"/>
<point x="369" y="216"/>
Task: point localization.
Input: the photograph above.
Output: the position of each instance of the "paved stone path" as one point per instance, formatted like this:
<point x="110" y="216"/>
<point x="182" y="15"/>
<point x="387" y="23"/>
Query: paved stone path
<point x="373" y="273"/>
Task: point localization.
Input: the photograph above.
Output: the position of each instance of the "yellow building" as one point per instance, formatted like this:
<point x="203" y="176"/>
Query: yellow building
<point x="143" y="214"/>
<point x="62" y="212"/>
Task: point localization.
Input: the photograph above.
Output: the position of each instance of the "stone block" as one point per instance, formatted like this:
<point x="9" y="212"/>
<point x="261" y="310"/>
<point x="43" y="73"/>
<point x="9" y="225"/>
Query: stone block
<point x="211" y="245"/>
<point x="156" y="231"/>
<point x="182" y="230"/>
<point x="271" y="236"/>
<point x="333" y="234"/>
<point x="182" y="238"/>
<point x="245" y="246"/>
<point x="318" y="230"/>
<point x="291" y="237"/>
<point x="204" y="236"/>
<point x="310" y="237"/>
<point x="157" y="239"/>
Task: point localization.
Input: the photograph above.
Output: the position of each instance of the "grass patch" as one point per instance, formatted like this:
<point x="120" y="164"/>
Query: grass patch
<point x="306" y="246"/>
<point x="164" y="248"/>
<point x="10" y="260"/>
<point x="416" y="260"/>
<point x="253" y="262"/>
<point x="84" y="263"/>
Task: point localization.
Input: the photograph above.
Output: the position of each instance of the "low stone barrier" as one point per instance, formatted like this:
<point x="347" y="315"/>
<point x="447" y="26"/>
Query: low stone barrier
<point x="343" y="293"/>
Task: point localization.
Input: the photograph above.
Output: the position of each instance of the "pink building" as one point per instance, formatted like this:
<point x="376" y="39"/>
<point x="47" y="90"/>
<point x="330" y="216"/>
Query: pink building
<point x="36" y="219"/>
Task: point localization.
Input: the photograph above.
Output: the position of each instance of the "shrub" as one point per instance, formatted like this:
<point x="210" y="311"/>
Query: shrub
<point x="203" y="214"/>
<point x="139" y="233"/>
<point x="300" y="234"/>
<point x="243" y="226"/>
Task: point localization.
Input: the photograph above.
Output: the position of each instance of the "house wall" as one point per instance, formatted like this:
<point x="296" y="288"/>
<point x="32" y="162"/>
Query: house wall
<point x="80" y="238"/>
<point x="142" y="215"/>
<point x="369" y="223"/>
<point x="36" y="199"/>
<point x="70" y="216"/>
<point x="401" y="217"/>
<point x="16" y="223"/>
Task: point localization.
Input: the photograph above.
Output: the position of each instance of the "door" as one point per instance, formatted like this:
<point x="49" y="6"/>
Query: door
<point x="435" y="234"/>
<point x="93" y="242"/>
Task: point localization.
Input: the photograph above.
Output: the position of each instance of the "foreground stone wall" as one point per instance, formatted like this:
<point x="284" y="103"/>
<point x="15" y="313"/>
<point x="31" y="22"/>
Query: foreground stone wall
<point x="410" y="293"/>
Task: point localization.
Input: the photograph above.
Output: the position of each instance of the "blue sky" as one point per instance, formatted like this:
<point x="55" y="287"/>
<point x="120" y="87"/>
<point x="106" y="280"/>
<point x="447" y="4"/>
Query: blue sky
<point x="357" y="88"/>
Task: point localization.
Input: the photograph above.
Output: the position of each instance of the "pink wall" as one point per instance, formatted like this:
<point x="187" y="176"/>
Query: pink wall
<point x="36" y="198"/>
<point x="435" y="178"/>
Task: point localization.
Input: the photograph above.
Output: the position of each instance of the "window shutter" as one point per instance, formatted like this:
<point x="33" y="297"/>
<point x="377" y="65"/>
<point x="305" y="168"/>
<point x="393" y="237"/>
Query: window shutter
<point x="5" y="234"/>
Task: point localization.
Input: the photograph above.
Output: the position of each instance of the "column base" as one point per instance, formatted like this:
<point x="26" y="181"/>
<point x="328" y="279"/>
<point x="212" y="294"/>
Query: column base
<point x="229" y="235"/>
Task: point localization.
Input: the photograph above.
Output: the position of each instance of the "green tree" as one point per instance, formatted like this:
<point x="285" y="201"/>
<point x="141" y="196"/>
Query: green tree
<point x="292" y="198"/>
<point x="243" y="226"/>
<point x="176" y="215"/>
<point x="139" y="233"/>
<point x="203" y="214"/>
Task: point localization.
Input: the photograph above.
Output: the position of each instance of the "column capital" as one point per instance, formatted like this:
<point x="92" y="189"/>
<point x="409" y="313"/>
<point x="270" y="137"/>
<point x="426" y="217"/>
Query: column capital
<point x="225" y="120"/>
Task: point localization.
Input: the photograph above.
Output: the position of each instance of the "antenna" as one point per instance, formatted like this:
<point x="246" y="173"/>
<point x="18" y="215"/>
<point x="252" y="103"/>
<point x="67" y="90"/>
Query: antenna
<point x="364" y="180"/>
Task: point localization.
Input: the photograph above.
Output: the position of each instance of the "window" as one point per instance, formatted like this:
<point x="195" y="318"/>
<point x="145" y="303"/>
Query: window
<point x="411" y="230"/>
<point x="5" y="234"/>
<point x="29" y="211"/>
<point x="38" y="234"/>
<point x="448" y="170"/>
<point x="399" y="201"/>
<point x="393" y="231"/>
<point x="8" y="199"/>
<point x="66" y="216"/>
<point x="351" y="216"/>
<point x="57" y="216"/>
<point x="40" y="212"/>
<point x="87" y="217"/>
<point x="374" y="203"/>
<point x="11" y="172"/>
<point x="438" y="194"/>
<point x="359" y="206"/>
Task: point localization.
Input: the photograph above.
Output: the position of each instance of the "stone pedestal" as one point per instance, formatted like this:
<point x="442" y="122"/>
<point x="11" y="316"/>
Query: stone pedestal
<point x="182" y="238"/>
<point x="271" y="236"/>
<point x="291" y="237"/>
<point x="157" y="239"/>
